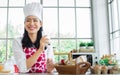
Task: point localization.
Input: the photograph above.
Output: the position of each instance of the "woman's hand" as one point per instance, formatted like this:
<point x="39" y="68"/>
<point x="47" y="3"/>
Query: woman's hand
<point x="50" y="65"/>
<point x="44" y="42"/>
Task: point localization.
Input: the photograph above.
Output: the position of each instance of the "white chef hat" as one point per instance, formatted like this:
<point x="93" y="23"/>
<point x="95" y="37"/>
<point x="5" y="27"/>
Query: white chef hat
<point x="34" y="9"/>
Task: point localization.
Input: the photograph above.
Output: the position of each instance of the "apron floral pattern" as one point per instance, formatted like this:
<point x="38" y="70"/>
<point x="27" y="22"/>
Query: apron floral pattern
<point x="40" y="65"/>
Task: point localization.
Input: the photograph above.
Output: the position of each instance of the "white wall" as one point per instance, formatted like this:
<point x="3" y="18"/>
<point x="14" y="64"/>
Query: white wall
<point x="100" y="21"/>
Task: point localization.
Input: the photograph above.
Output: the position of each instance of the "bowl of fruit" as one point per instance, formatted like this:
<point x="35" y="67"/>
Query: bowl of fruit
<point x="71" y="67"/>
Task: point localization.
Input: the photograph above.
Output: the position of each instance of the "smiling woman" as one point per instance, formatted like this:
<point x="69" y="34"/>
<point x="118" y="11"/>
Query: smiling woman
<point x="32" y="52"/>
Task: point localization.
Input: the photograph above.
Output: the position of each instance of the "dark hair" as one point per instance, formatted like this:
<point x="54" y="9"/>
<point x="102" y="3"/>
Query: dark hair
<point x="26" y="42"/>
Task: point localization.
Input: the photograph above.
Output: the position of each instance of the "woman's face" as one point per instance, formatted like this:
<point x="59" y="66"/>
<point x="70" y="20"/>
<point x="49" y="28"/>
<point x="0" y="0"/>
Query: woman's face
<point x="32" y="24"/>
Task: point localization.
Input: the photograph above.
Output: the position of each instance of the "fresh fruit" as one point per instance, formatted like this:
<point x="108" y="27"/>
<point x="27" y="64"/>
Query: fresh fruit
<point x="62" y="62"/>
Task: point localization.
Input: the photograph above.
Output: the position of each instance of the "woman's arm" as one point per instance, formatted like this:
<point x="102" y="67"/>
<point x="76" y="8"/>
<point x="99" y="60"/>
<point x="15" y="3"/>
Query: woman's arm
<point x="32" y="60"/>
<point x="19" y="55"/>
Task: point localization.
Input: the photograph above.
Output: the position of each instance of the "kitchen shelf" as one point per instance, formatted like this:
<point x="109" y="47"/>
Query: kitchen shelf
<point x="61" y="53"/>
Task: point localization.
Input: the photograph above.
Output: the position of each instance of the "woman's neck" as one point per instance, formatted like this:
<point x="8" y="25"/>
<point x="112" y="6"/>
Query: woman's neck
<point x="33" y="37"/>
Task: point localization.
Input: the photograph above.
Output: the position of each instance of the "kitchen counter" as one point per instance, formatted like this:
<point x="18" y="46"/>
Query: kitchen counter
<point x="48" y="74"/>
<point x="53" y="74"/>
<point x="27" y="74"/>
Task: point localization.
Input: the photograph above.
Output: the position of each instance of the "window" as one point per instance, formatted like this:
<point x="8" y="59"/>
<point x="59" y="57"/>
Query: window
<point x="66" y="21"/>
<point x="114" y="22"/>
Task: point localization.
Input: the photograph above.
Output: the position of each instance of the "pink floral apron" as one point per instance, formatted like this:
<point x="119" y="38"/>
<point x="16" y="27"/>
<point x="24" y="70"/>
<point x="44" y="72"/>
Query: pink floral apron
<point x="40" y="65"/>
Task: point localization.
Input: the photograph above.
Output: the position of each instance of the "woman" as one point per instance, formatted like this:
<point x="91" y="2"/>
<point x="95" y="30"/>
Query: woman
<point x="32" y="52"/>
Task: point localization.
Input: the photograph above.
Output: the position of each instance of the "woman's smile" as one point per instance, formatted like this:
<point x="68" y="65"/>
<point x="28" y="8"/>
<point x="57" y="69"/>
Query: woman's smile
<point x="32" y="27"/>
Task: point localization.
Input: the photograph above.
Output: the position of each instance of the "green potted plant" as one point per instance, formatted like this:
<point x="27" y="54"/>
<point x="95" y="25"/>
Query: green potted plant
<point x="82" y="44"/>
<point x="90" y="44"/>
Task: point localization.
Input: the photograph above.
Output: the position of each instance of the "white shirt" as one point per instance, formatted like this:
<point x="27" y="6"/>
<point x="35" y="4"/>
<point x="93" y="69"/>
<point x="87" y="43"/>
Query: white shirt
<point x="20" y="56"/>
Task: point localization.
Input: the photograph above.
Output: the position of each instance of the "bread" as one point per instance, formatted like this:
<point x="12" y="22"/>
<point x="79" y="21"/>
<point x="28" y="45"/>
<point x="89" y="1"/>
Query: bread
<point x="114" y="70"/>
<point x="96" y="69"/>
<point x="104" y="69"/>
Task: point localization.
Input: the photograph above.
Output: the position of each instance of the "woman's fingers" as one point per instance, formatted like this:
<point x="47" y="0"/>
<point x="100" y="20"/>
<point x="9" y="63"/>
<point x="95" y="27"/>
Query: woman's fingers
<point x="49" y="60"/>
<point x="45" y="39"/>
<point x="50" y="65"/>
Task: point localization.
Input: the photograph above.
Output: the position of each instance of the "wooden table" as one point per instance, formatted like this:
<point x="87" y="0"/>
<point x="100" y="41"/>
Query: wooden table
<point x="27" y="74"/>
<point x="88" y="73"/>
<point x="54" y="73"/>
<point x="35" y="74"/>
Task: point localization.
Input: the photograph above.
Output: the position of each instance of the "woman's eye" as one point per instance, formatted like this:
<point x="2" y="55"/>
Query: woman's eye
<point x="32" y="20"/>
<point x="35" y="20"/>
<point x="28" y="20"/>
